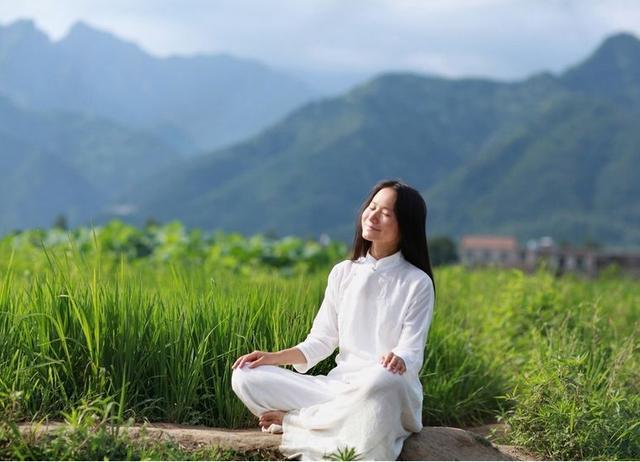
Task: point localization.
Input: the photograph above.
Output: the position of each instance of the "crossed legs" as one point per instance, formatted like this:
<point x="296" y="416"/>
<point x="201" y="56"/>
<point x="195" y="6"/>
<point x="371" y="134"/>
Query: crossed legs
<point x="270" y="391"/>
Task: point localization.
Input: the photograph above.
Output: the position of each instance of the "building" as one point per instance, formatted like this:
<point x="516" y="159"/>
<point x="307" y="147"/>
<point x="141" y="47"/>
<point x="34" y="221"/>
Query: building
<point x="490" y="250"/>
<point x="560" y="260"/>
<point x="504" y="252"/>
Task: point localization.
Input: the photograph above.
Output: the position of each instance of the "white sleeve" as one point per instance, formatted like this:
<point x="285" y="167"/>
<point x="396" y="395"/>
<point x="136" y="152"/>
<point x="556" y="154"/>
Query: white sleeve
<point x="415" y="327"/>
<point x="323" y="337"/>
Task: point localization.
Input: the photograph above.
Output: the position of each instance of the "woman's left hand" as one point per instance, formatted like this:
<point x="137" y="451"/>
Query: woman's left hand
<point x="393" y="363"/>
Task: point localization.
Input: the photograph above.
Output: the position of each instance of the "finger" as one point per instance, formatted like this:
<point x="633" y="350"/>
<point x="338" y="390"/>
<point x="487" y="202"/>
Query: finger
<point x="238" y="361"/>
<point x="248" y="358"/>
<point x="255" y="363"/>
<point x="388" y="357"/>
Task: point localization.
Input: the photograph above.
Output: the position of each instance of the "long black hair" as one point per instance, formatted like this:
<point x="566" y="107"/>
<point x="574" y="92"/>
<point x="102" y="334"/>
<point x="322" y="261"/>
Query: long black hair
<point x="411" y="213"/>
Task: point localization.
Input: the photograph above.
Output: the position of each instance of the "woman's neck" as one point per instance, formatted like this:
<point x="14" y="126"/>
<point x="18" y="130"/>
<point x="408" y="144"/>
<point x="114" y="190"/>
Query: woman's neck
<point x="380" y="251"/>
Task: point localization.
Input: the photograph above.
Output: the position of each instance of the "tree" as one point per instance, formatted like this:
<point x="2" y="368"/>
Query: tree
<point x="60" y="222"/>
<point x="151" y="221"/>
<point x="442" y="250"/>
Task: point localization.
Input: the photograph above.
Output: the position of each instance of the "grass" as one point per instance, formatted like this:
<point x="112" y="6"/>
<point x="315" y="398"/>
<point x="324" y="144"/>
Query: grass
<point x="555" y="358"/>
<point x="160" y="341"/>
<point x="92" y="431"/>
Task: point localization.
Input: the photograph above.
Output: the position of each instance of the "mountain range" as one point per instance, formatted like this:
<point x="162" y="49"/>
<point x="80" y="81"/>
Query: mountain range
<point x="84" y="117"/>
<point x="192" y="103"/>
<point x="549" y="155"/>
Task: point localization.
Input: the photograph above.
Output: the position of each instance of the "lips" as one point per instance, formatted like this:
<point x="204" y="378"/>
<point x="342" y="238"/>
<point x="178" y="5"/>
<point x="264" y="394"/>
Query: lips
<point x="371" y="227"/>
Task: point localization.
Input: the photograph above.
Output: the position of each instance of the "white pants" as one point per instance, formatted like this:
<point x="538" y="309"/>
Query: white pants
<point x="373" y="411"/>
<point x="273" y="388"/>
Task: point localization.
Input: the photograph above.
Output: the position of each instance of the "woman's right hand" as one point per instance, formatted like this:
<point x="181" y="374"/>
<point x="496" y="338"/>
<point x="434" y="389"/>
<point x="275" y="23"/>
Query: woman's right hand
<point x="256" y="358"/>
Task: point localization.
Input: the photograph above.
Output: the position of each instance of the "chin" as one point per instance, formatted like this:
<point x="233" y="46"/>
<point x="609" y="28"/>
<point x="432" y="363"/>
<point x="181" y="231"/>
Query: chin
<point x="367" y="237"/>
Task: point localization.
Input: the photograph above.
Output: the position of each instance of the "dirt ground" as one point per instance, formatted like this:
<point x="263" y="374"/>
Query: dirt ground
<point x="245" y="440"/>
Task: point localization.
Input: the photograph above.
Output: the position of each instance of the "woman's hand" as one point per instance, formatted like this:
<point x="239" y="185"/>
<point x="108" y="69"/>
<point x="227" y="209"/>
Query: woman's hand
<point x="393" y="363"/>
<point x="255" y="359"/>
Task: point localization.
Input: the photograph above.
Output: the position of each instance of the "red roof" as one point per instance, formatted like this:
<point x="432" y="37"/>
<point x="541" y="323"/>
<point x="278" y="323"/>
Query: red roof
<point x="489" y="243"/>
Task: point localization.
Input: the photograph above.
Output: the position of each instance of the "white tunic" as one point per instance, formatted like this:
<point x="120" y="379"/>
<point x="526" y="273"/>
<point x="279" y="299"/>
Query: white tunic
<point x="370" y="308"/>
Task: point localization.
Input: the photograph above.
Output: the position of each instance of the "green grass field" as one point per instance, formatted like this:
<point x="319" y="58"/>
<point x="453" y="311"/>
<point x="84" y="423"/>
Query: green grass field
<point x="156" y="331"/>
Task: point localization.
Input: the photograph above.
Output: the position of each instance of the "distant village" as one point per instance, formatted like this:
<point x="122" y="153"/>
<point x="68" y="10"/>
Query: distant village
<point x="505" y="252"/>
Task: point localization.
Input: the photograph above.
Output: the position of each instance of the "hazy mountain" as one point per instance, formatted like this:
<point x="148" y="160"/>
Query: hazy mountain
<point x="332" y="83"/>
<point x="548" y="155"/>
<point x="552" y="155"/>
<point x="53" y="163"/>
<point x="39" y="188"/>
<point x="192" y="103"/>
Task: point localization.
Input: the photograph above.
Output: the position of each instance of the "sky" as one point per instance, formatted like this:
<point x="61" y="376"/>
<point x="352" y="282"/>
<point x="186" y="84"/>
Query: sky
<point x="500" y="39"/>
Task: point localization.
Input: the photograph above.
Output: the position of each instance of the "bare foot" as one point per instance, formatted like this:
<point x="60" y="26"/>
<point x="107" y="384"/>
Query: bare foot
<point x="271" y="417"/>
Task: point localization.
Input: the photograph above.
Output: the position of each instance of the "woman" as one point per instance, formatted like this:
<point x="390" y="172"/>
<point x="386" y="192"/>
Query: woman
<point x="377" y="309"/>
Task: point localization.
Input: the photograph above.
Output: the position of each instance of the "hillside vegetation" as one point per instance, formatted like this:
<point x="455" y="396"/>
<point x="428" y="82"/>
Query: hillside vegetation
<point x="550" y="155"/>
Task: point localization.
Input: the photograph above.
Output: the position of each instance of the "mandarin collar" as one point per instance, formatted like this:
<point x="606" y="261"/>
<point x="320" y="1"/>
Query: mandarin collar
<point x="384" y="262"/>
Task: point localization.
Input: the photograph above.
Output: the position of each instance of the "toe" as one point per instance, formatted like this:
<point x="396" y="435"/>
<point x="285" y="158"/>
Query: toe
<point x="270" y="417"/>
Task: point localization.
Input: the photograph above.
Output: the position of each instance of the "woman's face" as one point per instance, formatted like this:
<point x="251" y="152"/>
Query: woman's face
<point x="379" y="222"/>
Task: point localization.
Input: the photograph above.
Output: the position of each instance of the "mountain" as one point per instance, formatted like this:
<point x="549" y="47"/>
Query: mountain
<point x="53" y="163"/>
<point x="192" y="103"/>
<point x="53" y="187"/>
<point x="570" y="172"/>
<point x="612" y="72"/>
<point x="549" y="155"/>
<point x="329" y="153"/>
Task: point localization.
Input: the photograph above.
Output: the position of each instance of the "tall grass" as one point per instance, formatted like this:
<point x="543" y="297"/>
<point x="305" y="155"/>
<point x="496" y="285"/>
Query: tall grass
<point x="160" y="343"/>
<point x="159" y="339"/>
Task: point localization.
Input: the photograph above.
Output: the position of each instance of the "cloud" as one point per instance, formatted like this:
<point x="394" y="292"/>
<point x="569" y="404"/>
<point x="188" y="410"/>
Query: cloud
<point x="505" y="39"/>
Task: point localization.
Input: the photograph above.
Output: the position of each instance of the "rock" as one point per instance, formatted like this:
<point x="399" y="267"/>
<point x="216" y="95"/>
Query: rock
<point x="240" y="440"/>
<point x="432" y="443"/>
<point x="518" y="453"/>
<point x="447" y="443"/>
